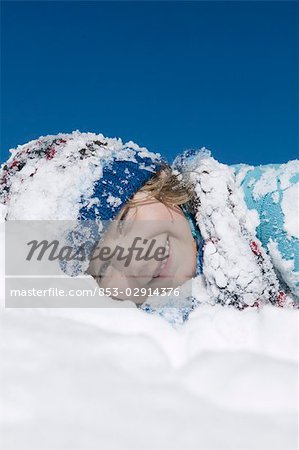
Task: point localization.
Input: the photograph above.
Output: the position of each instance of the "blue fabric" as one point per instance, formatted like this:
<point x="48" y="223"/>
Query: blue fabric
<point x="198" y="239"/>
<point x="121" y="180"/>
<point x="175" y="311"/>
<point x="270" y="212"/>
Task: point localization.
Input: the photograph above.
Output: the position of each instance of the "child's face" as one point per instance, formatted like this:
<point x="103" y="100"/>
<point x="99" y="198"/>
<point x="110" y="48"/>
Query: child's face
<point x="161" y="231"/>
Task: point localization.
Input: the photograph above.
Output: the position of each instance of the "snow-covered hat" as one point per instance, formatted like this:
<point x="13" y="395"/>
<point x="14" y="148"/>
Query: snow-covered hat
<point x="73" y="176"/>
<point x="76" y="176"/>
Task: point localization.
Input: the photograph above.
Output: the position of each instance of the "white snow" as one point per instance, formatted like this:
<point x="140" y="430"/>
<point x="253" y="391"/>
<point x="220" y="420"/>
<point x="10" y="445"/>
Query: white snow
<point x="289" y="205"/>
<point x="62" y="198"/>
<point x="113" y="201"/>
<point x="287" y="171"/>
<point x="275" y="197"/>
<point x="118" y="378"/>
<point x="285" y="267"/>
<point x="244" y="168"/>
<point x="267" y="183"/>
<point x="224" y="219"/>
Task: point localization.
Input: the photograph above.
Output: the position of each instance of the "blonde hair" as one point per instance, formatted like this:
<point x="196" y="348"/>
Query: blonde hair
<point x="165" y="186"/>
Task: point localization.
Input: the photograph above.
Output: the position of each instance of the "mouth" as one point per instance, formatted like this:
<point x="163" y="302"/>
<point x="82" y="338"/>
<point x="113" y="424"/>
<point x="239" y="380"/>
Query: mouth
<point x="163" y="265"/>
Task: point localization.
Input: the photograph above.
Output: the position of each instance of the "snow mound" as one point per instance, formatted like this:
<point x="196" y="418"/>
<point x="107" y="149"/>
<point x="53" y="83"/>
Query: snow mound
<point x="118" y="378"/>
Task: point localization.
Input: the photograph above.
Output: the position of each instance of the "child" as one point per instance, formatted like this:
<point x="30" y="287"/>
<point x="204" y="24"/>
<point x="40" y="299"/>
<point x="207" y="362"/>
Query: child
<point x="235" y="226"/>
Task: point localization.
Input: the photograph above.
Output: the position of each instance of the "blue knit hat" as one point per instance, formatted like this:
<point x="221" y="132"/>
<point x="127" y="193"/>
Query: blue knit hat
<point x="121" y="179"/>
<point x="77" y="176"/>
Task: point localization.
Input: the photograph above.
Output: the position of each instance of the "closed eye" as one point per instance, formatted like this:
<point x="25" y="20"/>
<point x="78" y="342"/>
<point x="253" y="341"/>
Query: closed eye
<point x="103" y="269"/>
<point x="121" y="222"/>
<point x="120" y="226"/>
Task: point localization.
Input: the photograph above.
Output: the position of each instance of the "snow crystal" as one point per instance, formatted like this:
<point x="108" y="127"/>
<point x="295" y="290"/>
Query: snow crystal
<point x="220" y="279"/>
<point x="275" y="197"/>
<point x="244" y="168"/>
<point x="267" y="183"/>
<point x="285" y="267"/>
<point x="144" y="153"/>
<point x="287" y="171"/>
<point x="113" y="201"/>
<point x="289" y="203"/>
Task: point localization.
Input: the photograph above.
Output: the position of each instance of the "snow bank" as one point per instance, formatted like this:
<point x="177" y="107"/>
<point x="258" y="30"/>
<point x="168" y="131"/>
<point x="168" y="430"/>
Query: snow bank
<point x="118" y="378"/>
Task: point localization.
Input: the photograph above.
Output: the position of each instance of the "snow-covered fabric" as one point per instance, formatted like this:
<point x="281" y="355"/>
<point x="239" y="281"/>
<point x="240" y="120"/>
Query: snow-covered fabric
<point x="272" y="190"/>
<point x="197" y="237"/>
<point x="77" y="176"/>
<point x="249" y="256"/>
<point x="73" y="176"/>
<point x="238" y="268"/>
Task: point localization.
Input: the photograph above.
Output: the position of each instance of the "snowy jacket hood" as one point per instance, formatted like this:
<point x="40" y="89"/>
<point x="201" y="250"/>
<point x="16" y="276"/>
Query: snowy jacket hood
<point x="236" y="267"/>
<point x="237" y="270"/>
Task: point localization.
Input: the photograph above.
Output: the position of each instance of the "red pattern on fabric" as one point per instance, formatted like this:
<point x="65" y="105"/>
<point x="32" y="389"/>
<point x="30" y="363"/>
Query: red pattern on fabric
<point x="14" y="163"/>
<point x="255" y="248"/>
<point x="211" y="239"/>
<point x="257" y="304"/>
<point x="51" y="153"/>
<point x="281" y="298"/>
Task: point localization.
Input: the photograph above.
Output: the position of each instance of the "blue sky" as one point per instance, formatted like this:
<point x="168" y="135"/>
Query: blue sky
<point x="168" y="75"/>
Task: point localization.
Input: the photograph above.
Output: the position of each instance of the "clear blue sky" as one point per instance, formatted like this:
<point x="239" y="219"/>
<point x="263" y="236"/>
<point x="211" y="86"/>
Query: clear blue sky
<point x="168" y="75"/>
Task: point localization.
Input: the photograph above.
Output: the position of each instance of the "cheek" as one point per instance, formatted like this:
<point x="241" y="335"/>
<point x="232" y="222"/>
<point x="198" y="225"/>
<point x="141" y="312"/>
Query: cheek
<point x="184" y="249"/>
